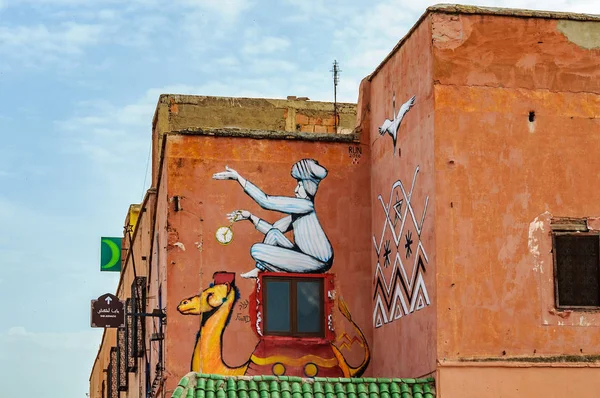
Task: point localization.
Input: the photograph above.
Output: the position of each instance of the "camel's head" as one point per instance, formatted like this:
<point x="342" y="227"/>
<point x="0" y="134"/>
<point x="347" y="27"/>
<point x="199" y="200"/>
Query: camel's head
<point x="208" y="300"/>
<point x="211" y="298"/>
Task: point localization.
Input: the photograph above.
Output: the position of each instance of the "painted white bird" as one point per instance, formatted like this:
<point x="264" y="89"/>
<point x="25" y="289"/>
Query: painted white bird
<point x="392" y="126"/>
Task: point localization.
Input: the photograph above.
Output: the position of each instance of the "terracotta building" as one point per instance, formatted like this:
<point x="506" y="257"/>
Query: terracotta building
<point x="450" y="235"/>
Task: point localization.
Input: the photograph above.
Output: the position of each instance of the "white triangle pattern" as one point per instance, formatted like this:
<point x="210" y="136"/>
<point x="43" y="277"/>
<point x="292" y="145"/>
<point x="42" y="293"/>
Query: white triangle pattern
<point x="403" y="293"/>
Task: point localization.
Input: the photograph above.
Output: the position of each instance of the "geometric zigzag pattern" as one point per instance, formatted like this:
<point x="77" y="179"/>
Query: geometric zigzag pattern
<point x="403" y="292"/>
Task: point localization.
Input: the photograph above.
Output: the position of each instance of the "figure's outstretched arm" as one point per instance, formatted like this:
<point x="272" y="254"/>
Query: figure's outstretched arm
<point x="282" y="204"/>
<point x="262" y="226"/>
<point x="230" y="174"/>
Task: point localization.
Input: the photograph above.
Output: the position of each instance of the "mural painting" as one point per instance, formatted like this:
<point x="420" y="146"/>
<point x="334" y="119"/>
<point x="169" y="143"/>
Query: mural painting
<point x="391" y="126"/>
<point x="278" y="259"/>
<point x="403" y="291"/>
<point x="311" y="250"/>
<point x="215" y="305"/>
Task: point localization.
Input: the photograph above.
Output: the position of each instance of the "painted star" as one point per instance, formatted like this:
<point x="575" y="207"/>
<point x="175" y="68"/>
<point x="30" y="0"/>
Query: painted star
<point x="408" y="244"/>
<point x="386" y="253"/>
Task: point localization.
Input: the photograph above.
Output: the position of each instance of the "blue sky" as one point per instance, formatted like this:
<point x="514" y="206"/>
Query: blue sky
<point x="79" y="81"/>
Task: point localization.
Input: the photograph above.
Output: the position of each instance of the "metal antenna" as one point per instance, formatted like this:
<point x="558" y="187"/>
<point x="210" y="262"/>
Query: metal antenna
<point x="336" y="78"/>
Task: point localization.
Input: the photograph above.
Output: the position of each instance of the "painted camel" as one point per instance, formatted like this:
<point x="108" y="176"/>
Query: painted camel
<point x="215" y="306"/>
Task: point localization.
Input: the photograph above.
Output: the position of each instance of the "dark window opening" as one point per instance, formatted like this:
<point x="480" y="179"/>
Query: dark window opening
<point x="577" y="270"/>
<point x="293" y="306"/>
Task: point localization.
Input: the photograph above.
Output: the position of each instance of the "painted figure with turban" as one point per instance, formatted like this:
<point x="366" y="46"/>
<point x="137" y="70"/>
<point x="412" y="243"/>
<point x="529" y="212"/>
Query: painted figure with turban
<point x="311" y="250"/>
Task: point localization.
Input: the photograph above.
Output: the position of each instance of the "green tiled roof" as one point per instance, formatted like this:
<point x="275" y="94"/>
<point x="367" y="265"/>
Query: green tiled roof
<point x="196" y="385"/>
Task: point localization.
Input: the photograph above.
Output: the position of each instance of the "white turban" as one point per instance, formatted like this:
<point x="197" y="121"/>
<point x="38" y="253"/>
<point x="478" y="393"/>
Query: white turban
<point x="310" y="172"/>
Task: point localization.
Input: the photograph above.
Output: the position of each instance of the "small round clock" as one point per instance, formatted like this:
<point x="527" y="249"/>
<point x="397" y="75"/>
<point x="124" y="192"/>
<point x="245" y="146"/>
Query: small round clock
<point x="224" y="235"/>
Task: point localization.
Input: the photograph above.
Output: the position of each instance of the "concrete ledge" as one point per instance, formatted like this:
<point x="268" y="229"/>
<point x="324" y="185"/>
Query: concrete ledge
<point x="268" y="134"/>
<point x="510" y="12"/>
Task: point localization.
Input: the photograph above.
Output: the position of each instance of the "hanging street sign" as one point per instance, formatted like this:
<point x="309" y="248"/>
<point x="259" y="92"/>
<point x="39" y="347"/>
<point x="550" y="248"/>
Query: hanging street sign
<point x="108" y="312"/>
<point x="110" y="254"/>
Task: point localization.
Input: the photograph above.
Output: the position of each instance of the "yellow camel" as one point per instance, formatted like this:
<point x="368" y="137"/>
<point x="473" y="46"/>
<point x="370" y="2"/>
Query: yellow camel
<point x="214" y="305"/>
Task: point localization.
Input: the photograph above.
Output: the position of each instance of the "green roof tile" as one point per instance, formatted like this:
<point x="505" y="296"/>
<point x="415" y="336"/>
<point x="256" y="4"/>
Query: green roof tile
<point x="196" y="385"/>
<point x="329" y="389"/>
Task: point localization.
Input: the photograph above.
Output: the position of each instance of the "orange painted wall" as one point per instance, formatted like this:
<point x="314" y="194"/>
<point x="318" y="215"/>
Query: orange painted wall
<point x="405" y="346"/>
<point x="342" y="205"/>
<point x="517" y="382"/>
<point x="497" y="173"/>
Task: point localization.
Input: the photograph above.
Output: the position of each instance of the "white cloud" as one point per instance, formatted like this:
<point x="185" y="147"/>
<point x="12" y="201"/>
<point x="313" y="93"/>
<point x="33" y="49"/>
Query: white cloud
<point x="18" y="331"/>
<point x="229" y="62"/>
<point x="59" y="3"/>
<point x="275" y="66"/>
<point x="308" y="8"/>
<point x="8" y="209"/>
<point x="266" y="45"/>
<point x="229" y="10"/>
<point x="69" y="38"/>
<point x="40" y="43"/>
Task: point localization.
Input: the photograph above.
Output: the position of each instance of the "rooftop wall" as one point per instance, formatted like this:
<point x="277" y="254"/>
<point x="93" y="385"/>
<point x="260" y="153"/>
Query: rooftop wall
<point x="182" y="112"/>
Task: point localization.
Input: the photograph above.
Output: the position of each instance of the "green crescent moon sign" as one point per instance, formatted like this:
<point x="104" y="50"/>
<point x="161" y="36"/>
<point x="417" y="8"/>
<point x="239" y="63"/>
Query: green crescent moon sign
<point x="111" y="259"/>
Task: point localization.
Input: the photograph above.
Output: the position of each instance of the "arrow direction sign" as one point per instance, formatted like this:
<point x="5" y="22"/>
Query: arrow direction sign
<point x="108" y="312"/>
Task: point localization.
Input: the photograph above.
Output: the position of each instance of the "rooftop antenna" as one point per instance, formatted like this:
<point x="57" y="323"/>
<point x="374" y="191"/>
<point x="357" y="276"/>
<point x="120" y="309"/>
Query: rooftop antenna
<point x="336" y="78"/>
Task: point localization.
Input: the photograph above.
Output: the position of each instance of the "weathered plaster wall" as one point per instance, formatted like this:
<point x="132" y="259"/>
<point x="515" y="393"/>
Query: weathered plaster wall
<point x="517" y="134"/>
<point x="517" y="382"/>
<point x="193" y="253"/>
<point x="182" y="112"/>
<point x="403" y="258"/>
